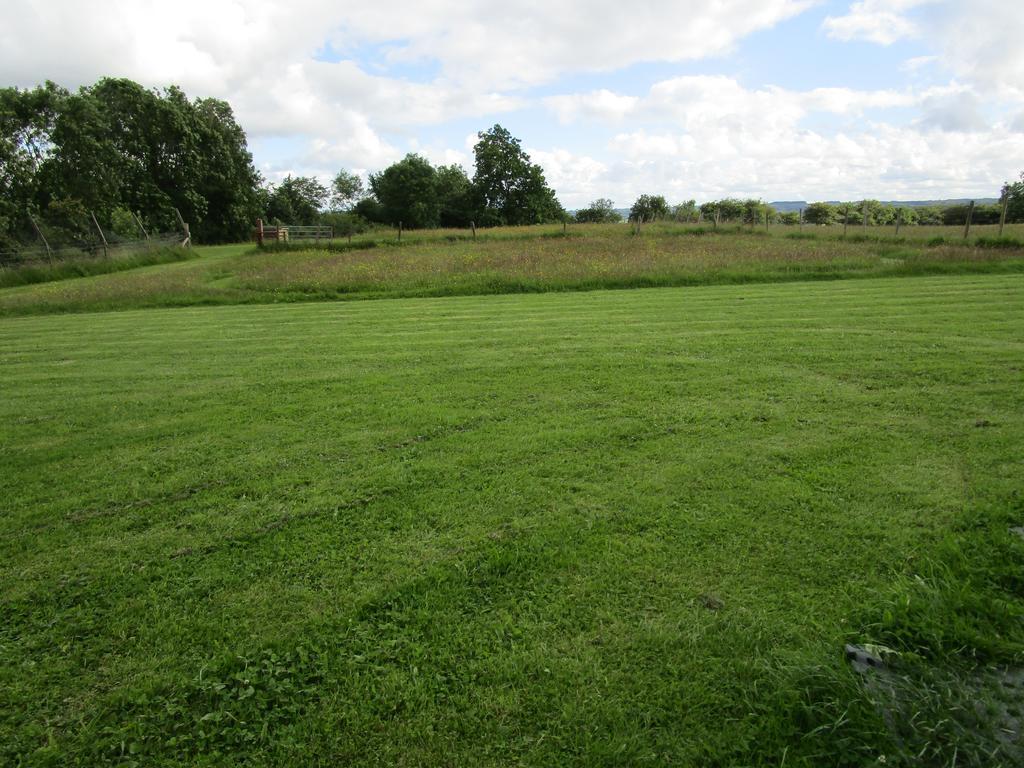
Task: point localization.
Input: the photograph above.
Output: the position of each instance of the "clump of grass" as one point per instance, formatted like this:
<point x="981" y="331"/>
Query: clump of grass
<point x="999" y="242"/>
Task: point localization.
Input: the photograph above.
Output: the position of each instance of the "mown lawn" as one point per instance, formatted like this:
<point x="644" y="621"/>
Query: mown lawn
<point x="606" y="528"/>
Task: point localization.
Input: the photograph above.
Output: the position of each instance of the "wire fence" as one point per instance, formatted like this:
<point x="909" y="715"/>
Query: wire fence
<point x="58" y="237"/>
<point x="32" y="256"/>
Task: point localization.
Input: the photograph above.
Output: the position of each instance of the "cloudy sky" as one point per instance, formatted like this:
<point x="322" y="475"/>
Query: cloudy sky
<point x="780" y="99"/>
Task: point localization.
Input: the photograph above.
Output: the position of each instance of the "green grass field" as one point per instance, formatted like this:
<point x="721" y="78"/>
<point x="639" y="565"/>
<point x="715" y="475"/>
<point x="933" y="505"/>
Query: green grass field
<point x="603" y="528"/>
<point x="520" y="260"/>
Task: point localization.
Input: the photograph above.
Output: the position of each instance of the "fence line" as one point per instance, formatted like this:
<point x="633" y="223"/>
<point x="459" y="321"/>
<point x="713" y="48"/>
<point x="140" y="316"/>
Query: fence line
<point x="39" y="256"/>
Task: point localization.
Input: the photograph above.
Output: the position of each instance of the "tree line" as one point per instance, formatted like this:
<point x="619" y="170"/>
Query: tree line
<point x="648" y="208"/>
<point x="116" y="150"/>
<point x="507" y="188"/>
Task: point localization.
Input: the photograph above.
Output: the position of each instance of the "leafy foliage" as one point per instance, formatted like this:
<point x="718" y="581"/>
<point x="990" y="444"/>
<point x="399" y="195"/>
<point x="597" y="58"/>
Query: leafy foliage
<point x="117" y="145"/>
<point x="601" y="211"/>
<point x="509" y="188"/>
<point x="297" y="200"/>
<point x="648" y="208"/>
<point x="407" y="192"/>
<point x="346" y="190"/>
<point x="1014" y="193"/>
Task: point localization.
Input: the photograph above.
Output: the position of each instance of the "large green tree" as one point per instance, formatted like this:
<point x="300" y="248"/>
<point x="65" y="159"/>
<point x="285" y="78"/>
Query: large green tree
<point x="407" y="192"/>
<point x="116" y="145"/>
<point x="27" y="121"/>
<point x="509" y="188"/>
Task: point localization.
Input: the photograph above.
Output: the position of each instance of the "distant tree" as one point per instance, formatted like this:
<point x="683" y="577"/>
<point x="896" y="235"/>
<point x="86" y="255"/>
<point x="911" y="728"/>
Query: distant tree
<point x="954" y="215"/>
<point x="983" y="214"/>
<point x="509" y="188"/>
<point x="369" y="209"/>
<point x="907" y="215"/>
<point x="878" y="214"/>
<point x="455" y="196"/>
<point x="987" y="214"/>
<point x="686" y="211"/>
<point x="1014" y="192"/>
<point x="346" y="190"/>
<point x="727" y="209"/>
<point x="297" y="200"/>
<point x="601" y="211"/>
<point x="929" y="215"/>
<point x="753" y="211"/>
<point x="344" y="223"/>
<point x="407" y="191"/>
<point x="648" y="208"/>
<point x="820" y="213"/>
<point x="789" y="218"/>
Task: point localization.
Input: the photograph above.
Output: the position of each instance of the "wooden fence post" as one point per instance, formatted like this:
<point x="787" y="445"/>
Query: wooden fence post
<point x="259" y="231"/>
<point x="187" y="242"/>
<point x="139" y="222"/>
<point x="899" y="220"/>
<point x="970" y="215"/>
<point x="103" y="237"/>
<point x="399" y="231"/>
<point x="846" y="220"/>
<point x="801" y="219"/>
<point x="1002" y="216"/>
<point x="766" y="218"/>
<point x="49" y="253"/>
<point x="472" y="226"/>
<point x="865" y="212"/>
<point x="718" y="215"/>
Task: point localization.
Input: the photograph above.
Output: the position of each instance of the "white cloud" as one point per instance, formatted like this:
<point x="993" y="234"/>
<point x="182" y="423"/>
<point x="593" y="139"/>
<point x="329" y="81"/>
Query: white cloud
<point x="597" y="104"/>
<point x="715" y="103"/>
<point x="981" y="42"/>
<point x="215" y="47"/>
<point x="706" y="137"/>
<point x="573" y="176"/>
<point x="877" y="21"/>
